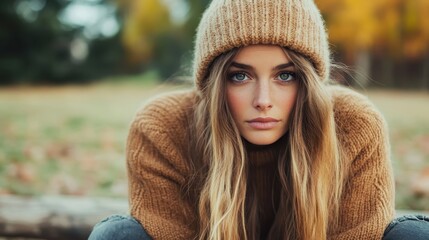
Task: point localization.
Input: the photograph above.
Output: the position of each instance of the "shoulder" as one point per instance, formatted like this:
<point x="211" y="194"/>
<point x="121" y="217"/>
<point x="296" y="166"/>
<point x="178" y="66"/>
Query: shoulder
<point x="358" y="121"/>
<point x="367" y="203"/>
<point x="162" y="125"/>
<point x="348" y="102"/>
<point x="167" y="111"/>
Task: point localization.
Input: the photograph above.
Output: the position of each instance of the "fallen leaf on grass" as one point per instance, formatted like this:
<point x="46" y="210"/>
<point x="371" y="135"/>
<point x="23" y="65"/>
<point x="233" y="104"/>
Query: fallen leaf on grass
<point x="65" y="184"/>
<point x="420" y="184"/>
<point x="424" y="143"/>
<point x="22" y="172"/>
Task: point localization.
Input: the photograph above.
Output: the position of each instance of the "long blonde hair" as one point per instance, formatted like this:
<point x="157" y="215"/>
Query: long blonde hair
<point x="309" y="168"/>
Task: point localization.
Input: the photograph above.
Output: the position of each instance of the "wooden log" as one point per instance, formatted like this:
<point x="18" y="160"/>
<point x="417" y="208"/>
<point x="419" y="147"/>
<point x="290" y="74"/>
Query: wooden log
<point x="64" y="217"/>
<point x="55" y="217"/>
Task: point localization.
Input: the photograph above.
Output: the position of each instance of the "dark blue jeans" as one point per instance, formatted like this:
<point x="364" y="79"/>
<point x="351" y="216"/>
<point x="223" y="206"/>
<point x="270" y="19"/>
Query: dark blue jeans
<point x="118" y="227"/>
<point x="408" y="227"/>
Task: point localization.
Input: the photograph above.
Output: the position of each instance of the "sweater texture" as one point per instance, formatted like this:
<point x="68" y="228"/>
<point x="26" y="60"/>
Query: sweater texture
<point x="158" y="164"/>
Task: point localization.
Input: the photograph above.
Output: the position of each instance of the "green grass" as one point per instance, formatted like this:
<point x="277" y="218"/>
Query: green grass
<point x="71" y="140"/>
<point x="68" y="140"/>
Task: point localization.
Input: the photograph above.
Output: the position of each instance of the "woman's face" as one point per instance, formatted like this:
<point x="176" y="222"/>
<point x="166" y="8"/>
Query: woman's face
<point x="261" y="92"/>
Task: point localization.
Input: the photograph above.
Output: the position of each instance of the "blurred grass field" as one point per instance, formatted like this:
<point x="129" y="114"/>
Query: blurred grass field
<point x="71" y="140"/>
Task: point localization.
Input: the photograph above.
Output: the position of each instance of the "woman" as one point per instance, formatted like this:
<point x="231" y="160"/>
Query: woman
<point x="263" y="148"/>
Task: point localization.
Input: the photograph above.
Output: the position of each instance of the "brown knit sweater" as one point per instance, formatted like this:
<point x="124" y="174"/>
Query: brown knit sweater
<point x="158" y="169"/>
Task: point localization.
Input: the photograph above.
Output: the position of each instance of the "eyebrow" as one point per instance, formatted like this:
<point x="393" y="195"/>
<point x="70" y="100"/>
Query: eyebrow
<point x="249" y="67"/>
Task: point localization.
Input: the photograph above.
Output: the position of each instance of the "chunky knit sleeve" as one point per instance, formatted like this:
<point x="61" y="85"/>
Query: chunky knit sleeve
<point x="368" y="199"/>
<point x="158" y="167"/>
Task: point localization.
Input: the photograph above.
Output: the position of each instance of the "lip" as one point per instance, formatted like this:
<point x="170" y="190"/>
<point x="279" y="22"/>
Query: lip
<point x="263" y="123"/>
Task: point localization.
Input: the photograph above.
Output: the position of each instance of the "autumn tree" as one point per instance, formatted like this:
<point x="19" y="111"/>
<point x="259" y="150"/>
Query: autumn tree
<point x="392" y="31"/>
<point x="145" y="20"/>
<point x="154" y="40"/>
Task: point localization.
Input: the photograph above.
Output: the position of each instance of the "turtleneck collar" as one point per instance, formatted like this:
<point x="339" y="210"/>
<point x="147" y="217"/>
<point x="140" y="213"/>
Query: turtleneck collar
<point x="264" y="155"/>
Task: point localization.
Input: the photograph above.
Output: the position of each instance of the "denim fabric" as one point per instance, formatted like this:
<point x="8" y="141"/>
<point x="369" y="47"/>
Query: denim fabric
<point x="118" y="227"/>
<point x="408" y="227"/>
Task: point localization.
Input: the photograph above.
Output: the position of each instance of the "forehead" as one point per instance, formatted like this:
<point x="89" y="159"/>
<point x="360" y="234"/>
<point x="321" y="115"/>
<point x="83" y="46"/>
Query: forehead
<point x="260" y="54"/>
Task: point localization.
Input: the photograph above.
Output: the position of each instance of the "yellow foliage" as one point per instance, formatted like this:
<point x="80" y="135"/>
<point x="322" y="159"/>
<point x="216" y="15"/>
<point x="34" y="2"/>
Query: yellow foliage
<point x="424" y="13"/>
<point x="144" y="21"/>
<point x="416" y="28"/>
<point x="388" y="36"/>
<point x="399" y="26"/>
<point x="352" y="24"/>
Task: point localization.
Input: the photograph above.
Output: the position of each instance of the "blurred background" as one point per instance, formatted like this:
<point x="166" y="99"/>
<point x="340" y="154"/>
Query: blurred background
<point x="73" y="73"/>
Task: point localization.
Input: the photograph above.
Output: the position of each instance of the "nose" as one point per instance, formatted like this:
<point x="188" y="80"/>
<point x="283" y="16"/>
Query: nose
<point x="262" y="97"/>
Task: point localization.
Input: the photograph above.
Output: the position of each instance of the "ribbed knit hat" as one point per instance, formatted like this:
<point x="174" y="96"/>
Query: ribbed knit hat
<point x="294" y="24"/>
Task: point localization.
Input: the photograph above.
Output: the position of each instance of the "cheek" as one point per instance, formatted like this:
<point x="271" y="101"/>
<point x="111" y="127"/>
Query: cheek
<point x="236" y="102"/>
<point x="288" y="101"/>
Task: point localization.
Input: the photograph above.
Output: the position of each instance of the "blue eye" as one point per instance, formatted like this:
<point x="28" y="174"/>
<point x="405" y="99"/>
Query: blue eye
<point x="238" y="77"/>
<point x="286" y="76"/>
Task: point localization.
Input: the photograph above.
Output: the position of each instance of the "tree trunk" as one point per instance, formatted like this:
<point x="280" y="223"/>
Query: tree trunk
<point x="363" y="68"/>
<point x="387" y="75"/>
<point x="425" y="74"/>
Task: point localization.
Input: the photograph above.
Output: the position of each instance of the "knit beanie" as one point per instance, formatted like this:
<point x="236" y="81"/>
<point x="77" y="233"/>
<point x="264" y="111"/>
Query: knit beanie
<point x="227" y="24"/>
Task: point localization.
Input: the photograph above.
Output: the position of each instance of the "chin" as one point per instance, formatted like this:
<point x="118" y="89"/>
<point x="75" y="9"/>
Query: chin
<point x="262" y="140"/>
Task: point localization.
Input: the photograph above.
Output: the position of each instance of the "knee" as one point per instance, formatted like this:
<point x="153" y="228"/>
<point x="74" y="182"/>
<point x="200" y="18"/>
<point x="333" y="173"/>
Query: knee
<point x="408" y="227"/>
<point x="118" y="227"/>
